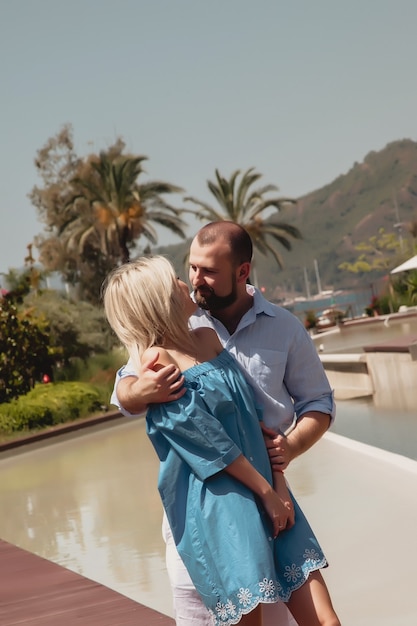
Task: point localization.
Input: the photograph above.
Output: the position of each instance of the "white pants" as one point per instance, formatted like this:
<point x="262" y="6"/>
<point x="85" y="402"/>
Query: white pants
<point x="189" y="610"/>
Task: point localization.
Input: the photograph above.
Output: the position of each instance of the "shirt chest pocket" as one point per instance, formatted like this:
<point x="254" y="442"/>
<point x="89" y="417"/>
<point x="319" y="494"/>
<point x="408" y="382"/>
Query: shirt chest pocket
<point x="267" y="367"/>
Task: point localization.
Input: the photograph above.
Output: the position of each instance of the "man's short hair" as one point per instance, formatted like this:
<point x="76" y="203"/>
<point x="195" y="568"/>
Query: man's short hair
<point x="241" y="248"/>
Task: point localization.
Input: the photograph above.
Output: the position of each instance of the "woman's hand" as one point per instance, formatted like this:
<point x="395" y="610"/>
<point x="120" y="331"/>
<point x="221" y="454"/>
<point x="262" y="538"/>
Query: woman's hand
<point x="281" y="488"/>
<point x="280" y="514"/>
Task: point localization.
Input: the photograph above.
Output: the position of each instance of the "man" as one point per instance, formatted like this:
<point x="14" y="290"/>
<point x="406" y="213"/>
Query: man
<point x="277" y="356"/>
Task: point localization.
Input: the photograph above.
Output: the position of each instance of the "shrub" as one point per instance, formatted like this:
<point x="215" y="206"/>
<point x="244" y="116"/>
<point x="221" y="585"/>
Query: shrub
<point x="24" y="351"/>
<point x="98" y="369"/>
<point x="50" y="404"/>
<point x="310" y="320"/>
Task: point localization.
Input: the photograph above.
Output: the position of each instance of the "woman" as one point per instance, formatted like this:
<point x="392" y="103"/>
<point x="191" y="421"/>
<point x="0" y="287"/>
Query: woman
<point x="232" y="520"/>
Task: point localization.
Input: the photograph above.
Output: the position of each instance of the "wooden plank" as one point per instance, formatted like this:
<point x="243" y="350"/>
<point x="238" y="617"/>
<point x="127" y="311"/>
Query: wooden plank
<point x="38" y="592"/>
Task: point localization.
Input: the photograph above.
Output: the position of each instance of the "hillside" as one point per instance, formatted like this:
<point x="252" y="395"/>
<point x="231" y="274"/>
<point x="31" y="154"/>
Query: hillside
<point x="374" y="194"/>
<point x="352" y="208"/>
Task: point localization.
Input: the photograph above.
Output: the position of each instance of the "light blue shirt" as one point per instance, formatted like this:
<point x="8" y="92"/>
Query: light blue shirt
<point x="277" y="357"/>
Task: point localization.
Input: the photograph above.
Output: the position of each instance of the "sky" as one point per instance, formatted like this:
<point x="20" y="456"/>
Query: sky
<point x="299" y="90"/>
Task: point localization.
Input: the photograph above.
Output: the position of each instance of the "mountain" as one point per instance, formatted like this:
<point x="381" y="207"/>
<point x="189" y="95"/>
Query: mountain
<point x="380" y="192"/>
<point x="377" y="193"/>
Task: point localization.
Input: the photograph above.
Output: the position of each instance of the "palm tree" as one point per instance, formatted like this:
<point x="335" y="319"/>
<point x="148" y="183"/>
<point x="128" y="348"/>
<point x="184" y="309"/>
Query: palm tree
<point x="112" y="210"/>
<point x="249" y="207"/>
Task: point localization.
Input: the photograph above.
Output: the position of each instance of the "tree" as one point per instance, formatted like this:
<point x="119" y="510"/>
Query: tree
<point x="405" y="288"/>
<point x="75" y="329"/>
<point x="122" y="209"/>
<point x="379" y="253"/>
<point x="24" y="349"/>
<point x="95" y="210"/>
<point x="248" y="207"/>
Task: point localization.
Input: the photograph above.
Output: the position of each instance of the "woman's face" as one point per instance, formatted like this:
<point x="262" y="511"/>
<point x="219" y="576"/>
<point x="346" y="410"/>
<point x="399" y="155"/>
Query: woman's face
<point x="189" y="305"/>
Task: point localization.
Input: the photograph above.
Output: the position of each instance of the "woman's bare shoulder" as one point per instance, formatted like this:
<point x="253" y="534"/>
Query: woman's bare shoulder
<point x="209" y="337"/>
<point x="164" y="357"/>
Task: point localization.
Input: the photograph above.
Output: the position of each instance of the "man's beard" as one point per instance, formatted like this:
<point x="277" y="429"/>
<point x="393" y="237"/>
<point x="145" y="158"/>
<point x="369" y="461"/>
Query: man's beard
<point x="210" y="301"/>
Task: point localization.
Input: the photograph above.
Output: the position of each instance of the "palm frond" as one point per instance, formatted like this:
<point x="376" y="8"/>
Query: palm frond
<point x="275" y="254"/>
<point x="203" y="211"/>
<point x="171" y="222"/>
<point x="272" y="228"/>
<point x="258" y="206"/>
<point x="248" y="179"/>
<point x="149" y="233"/>
<point x="158" y="187"/>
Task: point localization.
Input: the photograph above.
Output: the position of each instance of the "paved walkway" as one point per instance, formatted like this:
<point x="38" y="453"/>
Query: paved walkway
<point x="361" y="503"/>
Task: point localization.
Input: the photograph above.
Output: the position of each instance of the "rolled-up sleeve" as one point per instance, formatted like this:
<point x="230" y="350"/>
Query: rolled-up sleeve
<point x="305" y="378"/>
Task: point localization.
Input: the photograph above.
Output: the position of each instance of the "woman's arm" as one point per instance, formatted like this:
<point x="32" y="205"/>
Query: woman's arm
<point x="278" y="511"/>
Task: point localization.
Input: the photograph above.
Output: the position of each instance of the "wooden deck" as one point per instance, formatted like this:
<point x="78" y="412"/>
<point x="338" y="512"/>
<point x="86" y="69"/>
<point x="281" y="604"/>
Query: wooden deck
<point x="36" y="592"/>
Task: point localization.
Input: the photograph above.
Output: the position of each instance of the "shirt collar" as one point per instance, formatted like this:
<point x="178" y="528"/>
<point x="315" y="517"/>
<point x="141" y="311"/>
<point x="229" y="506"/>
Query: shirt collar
<point x="260" y="304"/>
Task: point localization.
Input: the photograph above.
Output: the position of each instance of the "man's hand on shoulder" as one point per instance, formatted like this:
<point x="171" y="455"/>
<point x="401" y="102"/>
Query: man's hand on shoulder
<point x="156" y="383"/>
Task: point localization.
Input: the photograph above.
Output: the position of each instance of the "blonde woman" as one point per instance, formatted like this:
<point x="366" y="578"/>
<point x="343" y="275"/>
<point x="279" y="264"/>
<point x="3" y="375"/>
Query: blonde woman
<point x="243" y="538"/>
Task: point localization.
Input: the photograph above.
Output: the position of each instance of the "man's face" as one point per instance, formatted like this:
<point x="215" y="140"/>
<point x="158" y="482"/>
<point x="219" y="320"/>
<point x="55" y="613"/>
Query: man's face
<point x="212" y="276"/>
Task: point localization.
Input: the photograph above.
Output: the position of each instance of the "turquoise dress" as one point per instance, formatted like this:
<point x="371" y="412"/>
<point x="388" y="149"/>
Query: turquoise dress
<point x="221" y="531"/>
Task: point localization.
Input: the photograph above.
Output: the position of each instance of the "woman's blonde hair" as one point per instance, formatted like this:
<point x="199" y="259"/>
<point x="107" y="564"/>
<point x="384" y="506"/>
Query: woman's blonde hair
<point x="144" y="307"/>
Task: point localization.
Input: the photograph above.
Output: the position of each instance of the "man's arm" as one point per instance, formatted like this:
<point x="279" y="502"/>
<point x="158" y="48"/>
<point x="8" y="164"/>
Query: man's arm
<point x="282" y="449"/>
<point x="154" y="384"/>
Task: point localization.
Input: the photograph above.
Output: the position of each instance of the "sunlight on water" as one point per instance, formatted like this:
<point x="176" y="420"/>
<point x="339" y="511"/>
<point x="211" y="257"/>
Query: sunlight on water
<point x="352" y="338"/>
<point x="91" y="504"/>
<point x="392" y="426"/>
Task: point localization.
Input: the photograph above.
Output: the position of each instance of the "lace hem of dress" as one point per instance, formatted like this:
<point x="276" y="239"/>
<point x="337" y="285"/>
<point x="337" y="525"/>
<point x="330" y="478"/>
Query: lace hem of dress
<point x="270" y="591"/>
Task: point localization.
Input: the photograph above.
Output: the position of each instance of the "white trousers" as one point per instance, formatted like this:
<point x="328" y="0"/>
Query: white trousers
<point x="189" y="609"/>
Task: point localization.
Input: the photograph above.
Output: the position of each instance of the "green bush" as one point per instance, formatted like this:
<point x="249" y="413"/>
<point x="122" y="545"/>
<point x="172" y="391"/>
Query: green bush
<point x="49" y="404"/>
<point x="24" y="351"/>
<point x="310" y="319"/>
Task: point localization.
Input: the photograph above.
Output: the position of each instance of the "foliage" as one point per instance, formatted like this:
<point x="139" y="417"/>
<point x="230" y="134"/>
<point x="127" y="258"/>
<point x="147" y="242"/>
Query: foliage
<point x="249" y="207"/>
<point x="380" y="252"/>
<point x="76" y="329"/>
<point x="21" y="282"/>
<point x="47" y="405"/>
<point x="122" y="210"/>
<point x="42" y="332"/>
<point x="375" y="307"/>
<point x="400" y="291"/>
<point x="98" y="369"/>
<point x="404" y="288"/>
<point x="95" y="210"/>
<point x="24" y="350"/>
<point x="310" y="319"/>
